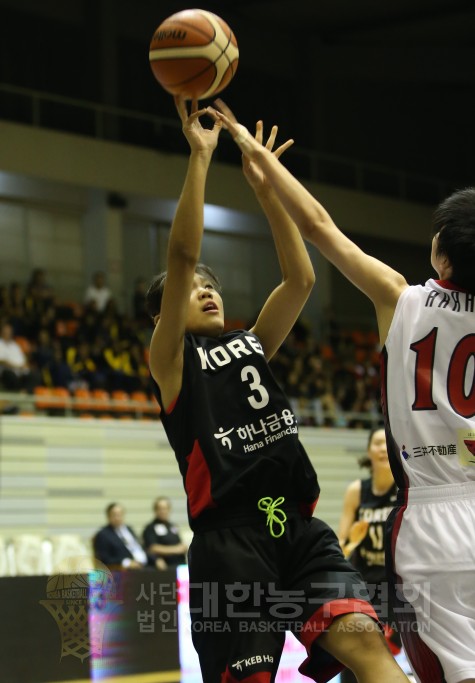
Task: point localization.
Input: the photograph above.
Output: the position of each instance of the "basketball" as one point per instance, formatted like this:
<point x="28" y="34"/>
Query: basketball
<point x="194" y="53"/>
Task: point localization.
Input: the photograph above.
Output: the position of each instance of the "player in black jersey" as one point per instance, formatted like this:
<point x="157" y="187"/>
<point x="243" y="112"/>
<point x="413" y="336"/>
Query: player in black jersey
<point x="366" y="506"/>
<point x="259" y="563"/>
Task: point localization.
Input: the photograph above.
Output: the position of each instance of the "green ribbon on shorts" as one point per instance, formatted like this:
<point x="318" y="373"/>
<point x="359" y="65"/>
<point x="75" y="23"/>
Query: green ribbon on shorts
<point x="275" y="516"/>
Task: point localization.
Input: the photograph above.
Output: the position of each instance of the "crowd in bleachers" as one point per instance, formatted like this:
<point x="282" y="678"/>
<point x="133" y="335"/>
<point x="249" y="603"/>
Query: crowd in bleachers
<point x="86" y="345"/>
<point x="91" y="346"/>
<point x="334" y="382"/>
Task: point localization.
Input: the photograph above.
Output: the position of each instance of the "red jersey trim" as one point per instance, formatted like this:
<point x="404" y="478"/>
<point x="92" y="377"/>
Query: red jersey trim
<point x="198" y="482"/>
<point x="397" y="527"/>
<point x="307" y="509"/>
<point x="319" y="622"/>
<point x="424" y="662"/>
<point x="172" y="405"/>
<point x="447" y="284"/>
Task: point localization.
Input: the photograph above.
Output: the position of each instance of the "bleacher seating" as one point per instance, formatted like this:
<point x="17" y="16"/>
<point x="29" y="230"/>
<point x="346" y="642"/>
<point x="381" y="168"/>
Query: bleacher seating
<point x="28" y="555"/>
<point x="59" y="474"/>
<point x="37" y="554"/>
<point x="94" y="403"/>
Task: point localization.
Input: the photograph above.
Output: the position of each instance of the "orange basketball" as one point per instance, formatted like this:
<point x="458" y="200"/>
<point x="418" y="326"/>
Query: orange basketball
<point x="194" y="53"/>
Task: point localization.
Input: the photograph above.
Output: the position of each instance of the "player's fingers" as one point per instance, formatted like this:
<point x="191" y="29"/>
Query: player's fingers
<point x="212" y="112"/>
<point x="224" y="109"/>
<point x="230" y="125"/>
<point x="271" y="139"/>
<point x="259" y="131"/>
<point x="181" y="107"/>
<point x="239" y="132"/>
<point x="197" y="113"/>
<point x="214" y="115"/>
<point x="282" y="148"/>
<point x="218" y="125"/>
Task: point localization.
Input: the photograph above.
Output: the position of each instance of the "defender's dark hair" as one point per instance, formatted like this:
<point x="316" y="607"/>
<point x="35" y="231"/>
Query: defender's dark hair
<point x="153" y="297"/>
<point x="454" y="220"/>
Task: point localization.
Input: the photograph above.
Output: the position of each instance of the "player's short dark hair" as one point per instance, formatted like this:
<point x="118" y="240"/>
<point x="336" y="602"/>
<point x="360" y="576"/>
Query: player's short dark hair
<point x="454" y="220"/>
<point x="153" y="297"/>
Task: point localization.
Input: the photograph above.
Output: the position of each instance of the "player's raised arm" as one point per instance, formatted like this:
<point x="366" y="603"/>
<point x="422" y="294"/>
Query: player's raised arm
<point x="166" y="348"/>
<point x="285" y="303"/>
<point x="377" y="280"/>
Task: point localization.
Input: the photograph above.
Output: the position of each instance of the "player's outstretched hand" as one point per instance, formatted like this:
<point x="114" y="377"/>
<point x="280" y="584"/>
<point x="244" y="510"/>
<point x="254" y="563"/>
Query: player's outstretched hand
<point x="199" y="138"/>
<point x="241" y="136"/>
<point x="248" y="145"/>
<point x="252" y="172"/>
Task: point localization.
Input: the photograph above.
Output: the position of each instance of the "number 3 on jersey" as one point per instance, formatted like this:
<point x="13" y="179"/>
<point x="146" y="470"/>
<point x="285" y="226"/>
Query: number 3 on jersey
<point x="463" y="403"/>
<point x="249" y="374"/>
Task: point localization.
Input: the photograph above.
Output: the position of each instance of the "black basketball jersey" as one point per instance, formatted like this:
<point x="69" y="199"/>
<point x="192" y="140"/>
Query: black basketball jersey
<point x="233" y="431"/>
<point x="369" y="556"/>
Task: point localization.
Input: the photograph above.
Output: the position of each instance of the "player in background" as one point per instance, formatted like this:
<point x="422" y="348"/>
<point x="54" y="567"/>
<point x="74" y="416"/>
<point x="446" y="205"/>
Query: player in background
<point x="259" y="563"/>
<point x="366" y="507"/>
<point x="427" y="334"/>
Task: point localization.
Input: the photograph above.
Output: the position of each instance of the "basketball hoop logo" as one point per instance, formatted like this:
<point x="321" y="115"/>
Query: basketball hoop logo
<point x="80" y="597"/>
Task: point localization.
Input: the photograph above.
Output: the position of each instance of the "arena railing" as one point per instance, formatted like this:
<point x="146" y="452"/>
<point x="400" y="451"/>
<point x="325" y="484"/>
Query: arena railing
<point x="72" y="406"/>
<point x="31" y="404"/>
<point x="106" y="122"/>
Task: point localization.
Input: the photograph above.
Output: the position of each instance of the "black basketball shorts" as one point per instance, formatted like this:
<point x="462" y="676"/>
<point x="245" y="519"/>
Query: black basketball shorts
<point x="247" y="589"/>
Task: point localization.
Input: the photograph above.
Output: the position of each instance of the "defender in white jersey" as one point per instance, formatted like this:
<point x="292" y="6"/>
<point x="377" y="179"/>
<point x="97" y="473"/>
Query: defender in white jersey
<point x="428" y="395"/>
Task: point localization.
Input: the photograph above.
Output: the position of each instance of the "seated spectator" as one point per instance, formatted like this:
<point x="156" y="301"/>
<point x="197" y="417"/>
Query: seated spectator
<point x="43" y="354"/>
<point x="98" y="293"/>
<point x="88" y="325"/>
<point x="140" y="368"/>
<point x="121" y="374"/>
<point x="39" y="294"/>
<point x="161" y="537"/>
<point x="57" y="372"/>
<point x="46" y="320"/>
<point x="16" y="311"/>
<point x="139" y="307"/>
<point x="110" y="326"/>
<point x="15" y="372"/>
<point x="83" y="366"/>
<point x="117" y="546"/>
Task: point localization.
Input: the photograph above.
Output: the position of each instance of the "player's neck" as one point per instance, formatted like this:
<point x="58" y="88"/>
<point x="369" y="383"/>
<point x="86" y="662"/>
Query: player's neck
<point x="382" y="480"/>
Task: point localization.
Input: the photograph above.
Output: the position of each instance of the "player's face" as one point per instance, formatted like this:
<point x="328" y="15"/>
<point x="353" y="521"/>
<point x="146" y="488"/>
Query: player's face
<point x="377" y="450"/>
<point x="205" y="312"/>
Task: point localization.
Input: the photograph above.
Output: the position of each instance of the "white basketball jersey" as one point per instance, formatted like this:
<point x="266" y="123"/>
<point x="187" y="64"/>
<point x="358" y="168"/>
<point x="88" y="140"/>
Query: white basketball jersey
<point x="428" y="386"/>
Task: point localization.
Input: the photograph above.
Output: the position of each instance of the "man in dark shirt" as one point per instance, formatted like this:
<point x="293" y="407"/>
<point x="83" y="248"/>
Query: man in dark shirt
<point x="161" y="538"/>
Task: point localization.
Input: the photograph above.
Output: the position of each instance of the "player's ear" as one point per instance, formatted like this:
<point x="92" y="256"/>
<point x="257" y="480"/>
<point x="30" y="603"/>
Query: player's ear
<point x="156" y="318"/>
